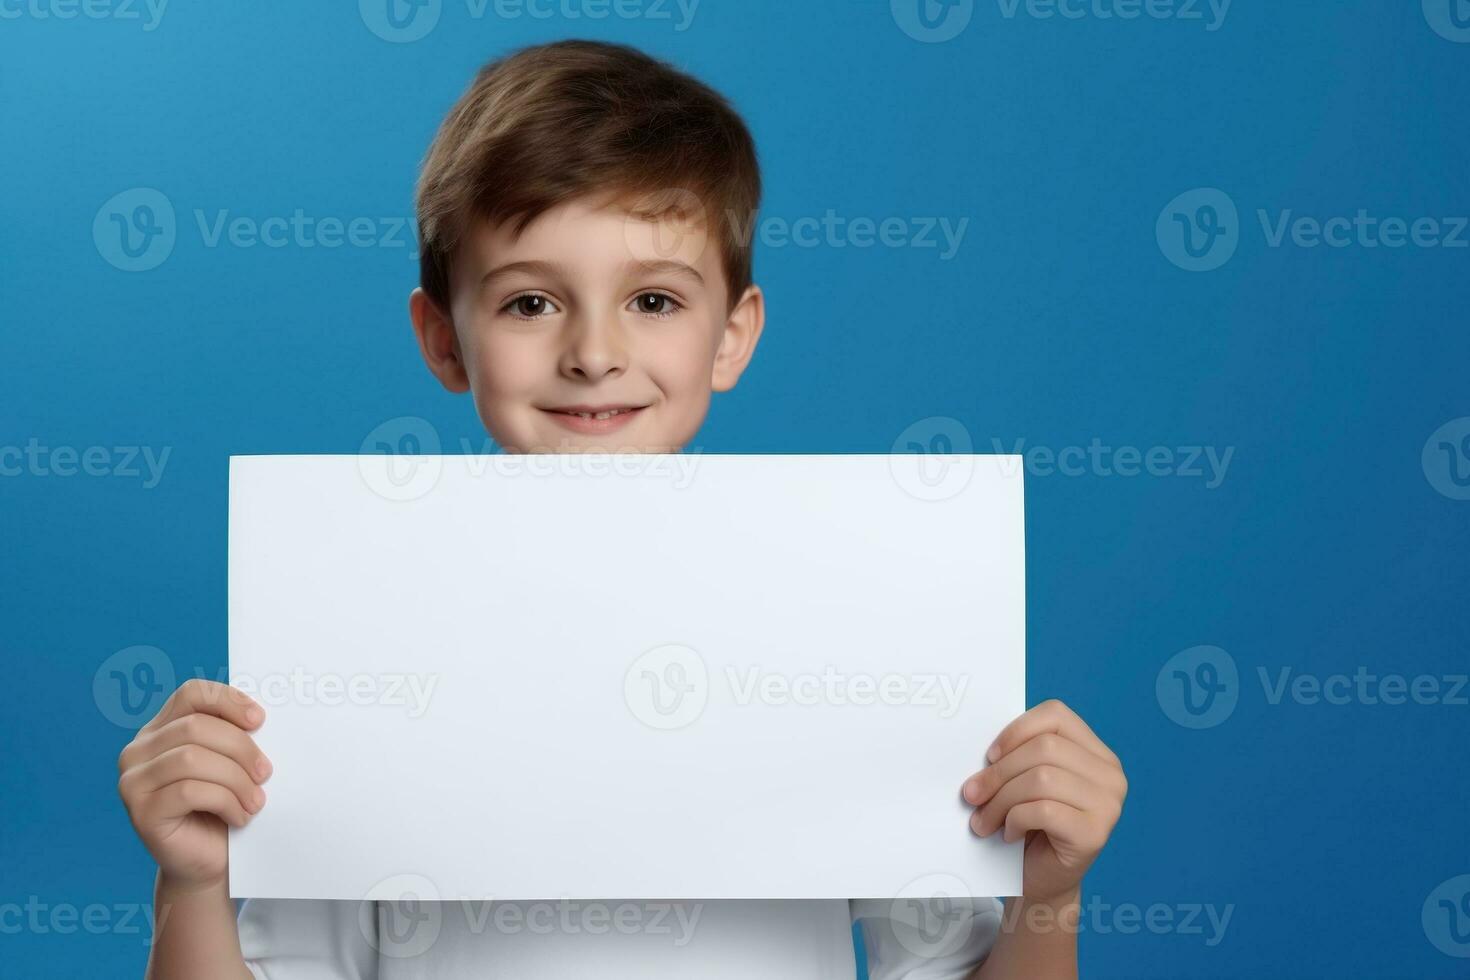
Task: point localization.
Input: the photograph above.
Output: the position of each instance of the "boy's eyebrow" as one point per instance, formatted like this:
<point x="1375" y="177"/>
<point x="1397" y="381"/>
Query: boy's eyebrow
<point x="534" y="267"/>
<point x="666" y="267"/>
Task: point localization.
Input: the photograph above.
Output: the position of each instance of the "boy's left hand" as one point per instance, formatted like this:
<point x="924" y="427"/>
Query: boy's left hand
<point x="1055" y="782"/>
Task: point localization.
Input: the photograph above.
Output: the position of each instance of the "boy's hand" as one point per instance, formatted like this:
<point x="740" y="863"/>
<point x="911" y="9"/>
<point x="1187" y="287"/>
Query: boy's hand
<point x="1050" y="779"/>
<point x="188" y="773"/>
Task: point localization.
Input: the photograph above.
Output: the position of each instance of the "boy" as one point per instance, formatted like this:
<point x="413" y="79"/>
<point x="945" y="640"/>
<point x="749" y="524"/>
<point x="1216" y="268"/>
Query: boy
<point x="583" y="278"/>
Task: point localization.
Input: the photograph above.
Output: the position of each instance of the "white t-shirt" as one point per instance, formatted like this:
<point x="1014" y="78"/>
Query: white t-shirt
<point x="287" y="939"/>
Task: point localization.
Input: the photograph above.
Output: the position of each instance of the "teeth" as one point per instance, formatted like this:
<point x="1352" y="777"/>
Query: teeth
<point x="600" y="415"/>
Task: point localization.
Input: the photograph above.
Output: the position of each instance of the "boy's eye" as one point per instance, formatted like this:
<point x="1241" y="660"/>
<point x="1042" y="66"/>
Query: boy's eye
<point x="656" y="304"/>
<point x="530" y="306"/>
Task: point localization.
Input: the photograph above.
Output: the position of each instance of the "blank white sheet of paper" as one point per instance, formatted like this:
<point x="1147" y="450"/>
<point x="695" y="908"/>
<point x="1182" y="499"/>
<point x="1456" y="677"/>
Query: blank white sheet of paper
<point x="674" y="676"/>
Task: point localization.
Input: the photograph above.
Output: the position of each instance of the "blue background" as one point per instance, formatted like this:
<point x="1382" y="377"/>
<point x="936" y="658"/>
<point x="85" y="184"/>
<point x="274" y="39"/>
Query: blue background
<point x="1060" y="320"/>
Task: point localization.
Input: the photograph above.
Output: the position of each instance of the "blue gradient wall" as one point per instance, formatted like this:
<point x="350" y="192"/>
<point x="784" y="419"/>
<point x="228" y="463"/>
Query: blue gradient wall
<point x="1102" y="240"/>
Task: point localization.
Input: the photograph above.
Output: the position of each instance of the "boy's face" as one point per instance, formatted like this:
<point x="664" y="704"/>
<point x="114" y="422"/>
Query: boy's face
<point x="591" y="330"/>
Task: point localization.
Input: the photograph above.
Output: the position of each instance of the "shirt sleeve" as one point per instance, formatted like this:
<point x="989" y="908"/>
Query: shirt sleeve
<point x="926" y="939"/>
<point x="300" y="939"/>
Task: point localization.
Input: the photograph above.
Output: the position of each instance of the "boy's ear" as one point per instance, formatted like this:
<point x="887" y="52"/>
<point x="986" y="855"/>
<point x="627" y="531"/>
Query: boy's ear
<point x="437" y="341"/>
<point x="737" y="345"/>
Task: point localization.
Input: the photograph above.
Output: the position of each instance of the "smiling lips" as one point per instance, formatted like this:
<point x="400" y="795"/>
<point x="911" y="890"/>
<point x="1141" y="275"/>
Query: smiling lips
<point x="594" y="419"/>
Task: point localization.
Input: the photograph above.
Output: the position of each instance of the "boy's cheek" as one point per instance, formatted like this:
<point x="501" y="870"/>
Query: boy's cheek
<point x="502" y="389"/>
<point x="504" y="366"/>
<point x="683" y="428"/>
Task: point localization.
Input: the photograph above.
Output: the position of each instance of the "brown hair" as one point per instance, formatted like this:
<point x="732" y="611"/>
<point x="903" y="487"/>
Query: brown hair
<point x="557" y="121"/>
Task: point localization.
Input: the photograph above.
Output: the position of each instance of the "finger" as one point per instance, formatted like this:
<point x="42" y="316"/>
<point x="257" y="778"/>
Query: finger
<point x="1048" y="748"/>
<point x="1060" y="822"/>
<point x="193" y="762"/>
<point x="210" y="698"/>
<point x="1049" y="716"/>
<point x="1040" y="783"/>
<point x="209" y="731"/>
<point x="177" y="800"/>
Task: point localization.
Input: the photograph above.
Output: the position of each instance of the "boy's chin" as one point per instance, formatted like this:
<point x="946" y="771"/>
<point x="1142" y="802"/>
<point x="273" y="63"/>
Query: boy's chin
<point x="572" y="442"/>
<point x="610" y="449"/>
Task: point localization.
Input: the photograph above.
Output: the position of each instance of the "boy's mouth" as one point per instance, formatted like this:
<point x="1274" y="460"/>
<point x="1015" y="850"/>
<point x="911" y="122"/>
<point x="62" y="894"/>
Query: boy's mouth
<point x="594" y="419"/>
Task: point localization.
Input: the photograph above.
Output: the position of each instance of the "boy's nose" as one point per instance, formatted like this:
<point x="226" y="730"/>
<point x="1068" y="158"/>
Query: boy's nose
<point x="594" y="349"/>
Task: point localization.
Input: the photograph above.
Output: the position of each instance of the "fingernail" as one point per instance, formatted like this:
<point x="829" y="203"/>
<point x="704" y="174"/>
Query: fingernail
<point x="993" y="752"/>
<point x="262" y="767"/>
<point x="977" y="824"/>
<point x="257" y="801"/>
<point x="254" y="715"/>
<point x="971" y="790"/>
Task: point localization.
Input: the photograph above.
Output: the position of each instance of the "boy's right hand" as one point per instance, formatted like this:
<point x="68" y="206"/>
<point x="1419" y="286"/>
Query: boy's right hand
<point x="188" y="773"/>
